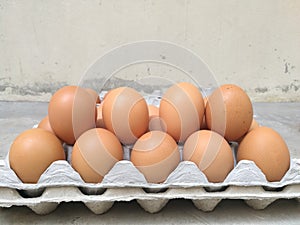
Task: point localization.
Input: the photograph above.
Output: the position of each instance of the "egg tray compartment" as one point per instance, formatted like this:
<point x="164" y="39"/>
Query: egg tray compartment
<point x="61" y="183"/>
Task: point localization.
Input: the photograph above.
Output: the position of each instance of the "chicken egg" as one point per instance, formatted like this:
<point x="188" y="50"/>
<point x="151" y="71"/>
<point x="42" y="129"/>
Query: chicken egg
<point x="125" y="113"/>
<point x="254" y="125"/>
<point x="268" y="150"/>
<point x="155" y="123"/>
<point x="32" y="152"/>
<point x="94" y="153"/>
<point x="155" y="155"/>
<point x="229" y="112"/>
<point x="94" y="95"/>
<point x="99" y="121"/>
<point x="45" y="124"/>
<point x="211" y="153"/>
<point x="71" y="111"/>
<point x="203" y="125"/>
<point x="181" y="110"/>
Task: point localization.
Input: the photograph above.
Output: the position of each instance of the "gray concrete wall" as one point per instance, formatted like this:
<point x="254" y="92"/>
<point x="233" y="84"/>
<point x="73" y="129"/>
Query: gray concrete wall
<point x="47" y="44"/>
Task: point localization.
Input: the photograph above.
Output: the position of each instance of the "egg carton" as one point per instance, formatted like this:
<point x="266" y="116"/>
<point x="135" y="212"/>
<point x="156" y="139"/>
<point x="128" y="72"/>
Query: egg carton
<point x="61" y="183"/>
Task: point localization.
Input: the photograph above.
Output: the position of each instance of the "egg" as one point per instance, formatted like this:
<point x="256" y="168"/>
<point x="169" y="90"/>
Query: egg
<point x="155" y="155"/>
<point x="94" y="95"/>
<point x="181" y="110"/>
<point x="253" y="125"/>
<point x="32" y="152"/>
<point x="71" y="112"/>
<point x="45" y="124"/>
<point x="155" y="123"/>
<point x="211" y="153"/>
<point x="99" y="120"/>
<point x="229" y="112"/>
<point x="268" y="150"/>
<point x="203" y="125"/>
<point x="94" y="153"/>
<point x="153" y="111"/>
<point x="125" y="113"/>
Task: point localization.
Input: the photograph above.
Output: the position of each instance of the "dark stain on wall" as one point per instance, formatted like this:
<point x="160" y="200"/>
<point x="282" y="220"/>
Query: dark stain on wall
<point x="99" y="84"/>
<point x="261" y="90"/>
<point x="294" y="86"/>
<point x="33" y="89"/>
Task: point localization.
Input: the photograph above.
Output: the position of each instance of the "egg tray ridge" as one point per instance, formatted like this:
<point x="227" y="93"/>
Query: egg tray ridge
<point x="61" y="183"/>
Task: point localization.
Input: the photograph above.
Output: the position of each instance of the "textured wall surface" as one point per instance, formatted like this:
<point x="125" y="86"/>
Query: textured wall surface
<point x="47" y="44"/>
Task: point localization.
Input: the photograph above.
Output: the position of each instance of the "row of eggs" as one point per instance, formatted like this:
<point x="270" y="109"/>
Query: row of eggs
<point x="97" y="130"/>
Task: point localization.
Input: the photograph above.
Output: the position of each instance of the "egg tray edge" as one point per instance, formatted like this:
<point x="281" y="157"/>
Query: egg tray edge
<point x="254" y="196"/>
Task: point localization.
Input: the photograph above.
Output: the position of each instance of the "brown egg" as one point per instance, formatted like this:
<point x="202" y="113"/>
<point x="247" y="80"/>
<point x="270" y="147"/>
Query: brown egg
<point x="94" y="154"/>
<point x="153" y="111"/>
<point x="155" y="155"/>
<point x="268" y="150"/>
<point x="155" y="123"/>
<point x="71" y="111"/>
<point x="254" y="125"/>
<point x="182" y="109"/>
<point x="32" y="152"/>
<point x="45" y="124"/>
<point x="211" y="153"/>
<point x="229" y="112"/>
<point x="99" y="121"/>
<point x="94" y="95"/>
<point x="203" y="125"/>
<point x="125" y="113"/>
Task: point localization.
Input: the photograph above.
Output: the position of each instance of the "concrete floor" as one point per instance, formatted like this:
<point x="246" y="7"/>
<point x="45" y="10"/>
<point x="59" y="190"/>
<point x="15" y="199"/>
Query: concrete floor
<point x="15" y="117"/>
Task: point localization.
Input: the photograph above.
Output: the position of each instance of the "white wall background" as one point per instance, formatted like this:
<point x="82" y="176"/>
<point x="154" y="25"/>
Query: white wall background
<point x="47" y="44"/>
